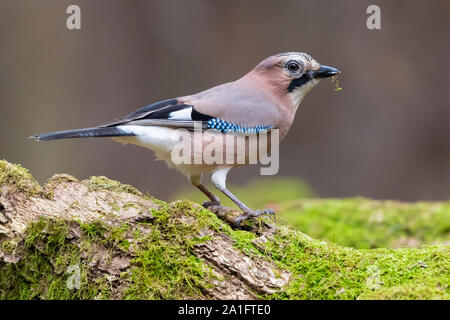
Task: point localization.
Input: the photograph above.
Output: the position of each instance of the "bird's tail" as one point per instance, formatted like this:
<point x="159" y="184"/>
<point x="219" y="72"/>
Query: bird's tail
<point x="82" y="133"/>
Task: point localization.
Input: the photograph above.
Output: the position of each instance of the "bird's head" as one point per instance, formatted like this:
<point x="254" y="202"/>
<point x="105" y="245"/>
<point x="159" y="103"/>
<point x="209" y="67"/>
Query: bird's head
<point x="293" y="74"/>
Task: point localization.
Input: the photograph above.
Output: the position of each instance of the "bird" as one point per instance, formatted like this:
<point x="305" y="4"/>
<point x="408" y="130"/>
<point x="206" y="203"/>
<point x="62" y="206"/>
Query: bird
<point x="264" y="100"/>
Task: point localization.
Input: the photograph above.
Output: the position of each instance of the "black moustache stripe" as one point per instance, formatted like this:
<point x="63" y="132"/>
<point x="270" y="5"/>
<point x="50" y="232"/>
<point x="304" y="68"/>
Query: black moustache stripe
<point x="298" y="82"/>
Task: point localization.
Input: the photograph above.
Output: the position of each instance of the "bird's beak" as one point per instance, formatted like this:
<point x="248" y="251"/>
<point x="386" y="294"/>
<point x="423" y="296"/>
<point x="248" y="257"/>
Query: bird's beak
<point x="323" y="72"/>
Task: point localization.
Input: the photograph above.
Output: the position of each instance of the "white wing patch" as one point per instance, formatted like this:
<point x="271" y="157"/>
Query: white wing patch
<point x="151" y="137"/>
<point x="183" y="114"/>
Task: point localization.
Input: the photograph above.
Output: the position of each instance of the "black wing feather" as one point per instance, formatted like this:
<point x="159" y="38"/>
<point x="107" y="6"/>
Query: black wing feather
<point x="156" y="114"/>
<point x="160" y="113"/>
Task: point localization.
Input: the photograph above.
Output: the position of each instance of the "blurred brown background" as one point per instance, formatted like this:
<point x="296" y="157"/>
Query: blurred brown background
<point x="385" y="135"/>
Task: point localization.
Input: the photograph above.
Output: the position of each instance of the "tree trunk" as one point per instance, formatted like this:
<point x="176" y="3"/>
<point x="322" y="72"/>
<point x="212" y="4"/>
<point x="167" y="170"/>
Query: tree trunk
<point x="235" y="275"/>
<point x="100" y="239"/>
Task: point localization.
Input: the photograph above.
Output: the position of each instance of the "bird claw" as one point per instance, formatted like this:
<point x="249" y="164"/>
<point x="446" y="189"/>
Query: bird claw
<point x="252" y="214"/>
<point x="208" y="204"/>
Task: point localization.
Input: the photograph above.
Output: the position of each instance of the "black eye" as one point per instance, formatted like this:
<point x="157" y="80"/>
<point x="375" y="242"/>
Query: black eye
<point x="292" y="66"/>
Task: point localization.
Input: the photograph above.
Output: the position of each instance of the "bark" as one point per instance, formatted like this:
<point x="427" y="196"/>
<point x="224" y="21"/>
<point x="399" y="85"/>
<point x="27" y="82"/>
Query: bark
<point x="132" y="246"/>
<point x="64" y="198"/>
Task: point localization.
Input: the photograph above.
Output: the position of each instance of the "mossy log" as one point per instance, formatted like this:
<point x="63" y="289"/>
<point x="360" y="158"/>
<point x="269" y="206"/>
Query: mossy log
<point x="100" y="239"/>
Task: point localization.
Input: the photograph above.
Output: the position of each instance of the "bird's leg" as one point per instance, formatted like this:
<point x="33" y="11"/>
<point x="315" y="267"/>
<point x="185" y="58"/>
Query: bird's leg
<point x="214" y="201"/>
<point x="219" y="178"/>
<point x="248" y="213"/>
<point x="196" y="181"/>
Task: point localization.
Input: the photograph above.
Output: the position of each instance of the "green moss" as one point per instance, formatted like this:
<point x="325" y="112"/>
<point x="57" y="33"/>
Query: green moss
<point x="410" y="291"/>
<point x="19" y="176"/>
<point x="57" y="178"/>
<point x="164" y="265"/>
<point x="106" y="184"/>
<point x="95" y="231"/>
<point x="103" y="183"/>
<point x="326" y="271"/>
<point x="9" y="246"/>
<point x="365" y="223"/>
<point x="41" y="271"/>
<point x="354" y="222"/>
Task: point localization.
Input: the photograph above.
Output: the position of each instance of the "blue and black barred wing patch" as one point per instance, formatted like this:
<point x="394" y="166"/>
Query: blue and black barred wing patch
<point x="175" y="113"/>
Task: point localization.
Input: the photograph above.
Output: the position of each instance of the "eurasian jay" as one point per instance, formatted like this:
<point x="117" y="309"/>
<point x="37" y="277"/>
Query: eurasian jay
<point x="262" y="101"/>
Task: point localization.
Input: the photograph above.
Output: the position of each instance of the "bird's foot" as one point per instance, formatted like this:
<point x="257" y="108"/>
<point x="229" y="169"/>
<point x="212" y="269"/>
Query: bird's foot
<point x="208" y="204"/>
<point x="252" y="214"/>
